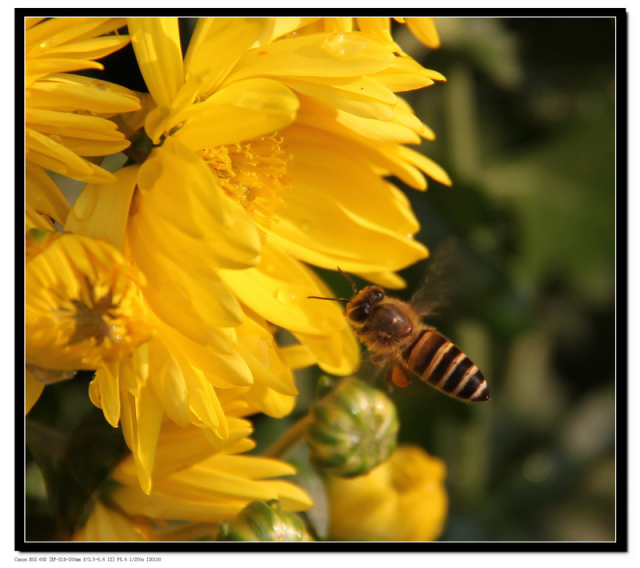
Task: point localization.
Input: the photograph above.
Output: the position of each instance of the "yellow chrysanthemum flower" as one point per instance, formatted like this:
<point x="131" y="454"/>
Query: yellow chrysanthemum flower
<point x="84" y="309"/>
<point x="197" y="479"/>
<point x="245" y="178"/>
<point x="67" y="115"/>
<point x="403" y="499"/>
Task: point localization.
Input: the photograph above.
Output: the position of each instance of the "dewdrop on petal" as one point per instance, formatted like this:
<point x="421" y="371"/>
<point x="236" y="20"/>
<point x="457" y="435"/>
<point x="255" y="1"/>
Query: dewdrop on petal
<point x="353" y="428"/>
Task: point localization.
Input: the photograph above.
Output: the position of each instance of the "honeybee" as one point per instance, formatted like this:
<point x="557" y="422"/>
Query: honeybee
<point x="393" y="332"/>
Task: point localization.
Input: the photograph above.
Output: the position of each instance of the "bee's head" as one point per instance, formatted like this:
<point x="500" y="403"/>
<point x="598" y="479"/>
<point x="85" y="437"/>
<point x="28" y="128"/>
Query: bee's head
<point x="359" y="307"/>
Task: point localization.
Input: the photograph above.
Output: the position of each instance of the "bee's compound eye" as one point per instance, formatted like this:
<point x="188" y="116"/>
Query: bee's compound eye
<point x="359" y="313"/>
<point x="376" y="294"/>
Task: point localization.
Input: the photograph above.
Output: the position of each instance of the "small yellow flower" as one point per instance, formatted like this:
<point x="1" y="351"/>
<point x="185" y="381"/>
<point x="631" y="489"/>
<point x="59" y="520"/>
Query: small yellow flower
<point x="67" y="115"/>
<point x="83" y="307"/>
<point x="404" y="499"/>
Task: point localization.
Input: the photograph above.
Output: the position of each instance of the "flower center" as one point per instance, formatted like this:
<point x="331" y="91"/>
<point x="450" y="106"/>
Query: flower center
<point x="253" y="173"/>
<point x="91" y="319"/>
<point x="98" y="317"/>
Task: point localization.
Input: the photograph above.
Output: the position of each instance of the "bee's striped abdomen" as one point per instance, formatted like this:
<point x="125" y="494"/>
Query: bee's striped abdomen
<point x="440" y="363"/>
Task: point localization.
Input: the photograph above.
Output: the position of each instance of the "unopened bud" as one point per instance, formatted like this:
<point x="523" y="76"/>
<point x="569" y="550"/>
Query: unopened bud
<point x="264" y="522"/>
<point x="352" y="429"/>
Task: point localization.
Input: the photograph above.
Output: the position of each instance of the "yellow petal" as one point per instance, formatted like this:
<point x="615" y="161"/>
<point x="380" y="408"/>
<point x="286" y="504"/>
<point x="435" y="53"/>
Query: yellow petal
<point x="56" y="32"/>
<point x="406" y="74"/>
<point x="361" y="98"/>
<point x="385" y="279"/>
<point x="178" y="186"/>
<point x="108" y="379"/>
<point x="334" y="224"/>
<point x="380" y="30"/>
<point x="67" y="92"/>
<point x="216" y="358"/>
<point x="94" y="48"/>
<point x="156" y="42"/>
<point x="141" y="420"/>
<point x="425" y="30"/>
<point x="270" y="402"/>
<point x="425" y="164"/>
<point x="203" y="402"/>
<point x="228" y="39"/>
<point x="94" y="393"/>
<point x="338" y="354"/>
<point x="291" y="497"/>
<point x="50" y="154"/>
<point x="277" y="289"/>
<point x="377" y="130"/>
<point x="182" y="447"/>
<point x="33" y="390"/>
<point x="239" y="112"/>
<point x="200" y="484"/>
<point x="384" y="157"/>
<point x="36" y="220"/>
<point x="35" y="68"/>
<point x="193" y="307"/>
<point x="44" y="195"/>
<point x="297" y="356"/>
<point x="134" y="502"/>
<point x="102" y="211"/>
<point x="261" y="353"/>
<point x="251" y="467"/>
<point x="70" y="124"/>
<point x="106" y="525"/>
<point x="149" y="416"/>
<point x="277" y="27"/>
<point x="93" y="148"/>
<point x="316" y="55"/>
<point x="168" y="382"/>
<point x="355" y="188"/>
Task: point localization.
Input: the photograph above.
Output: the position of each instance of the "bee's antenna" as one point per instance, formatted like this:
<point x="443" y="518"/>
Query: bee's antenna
<point x="332" y="299"/>
<point x="353" y="284"/>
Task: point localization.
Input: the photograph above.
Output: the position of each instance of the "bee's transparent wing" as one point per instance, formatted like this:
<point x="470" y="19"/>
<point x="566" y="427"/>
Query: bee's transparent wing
<point x="452" y="276"/>
<point x="368" y="370"/>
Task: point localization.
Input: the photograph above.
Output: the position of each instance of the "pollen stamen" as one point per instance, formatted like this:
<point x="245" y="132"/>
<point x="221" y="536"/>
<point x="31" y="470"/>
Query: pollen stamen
<point x="253" y="173"/>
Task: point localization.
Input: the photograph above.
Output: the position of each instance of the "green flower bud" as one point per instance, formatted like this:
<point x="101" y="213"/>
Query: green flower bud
<point x="352" y="429"/>
<point x="264" y="522"/>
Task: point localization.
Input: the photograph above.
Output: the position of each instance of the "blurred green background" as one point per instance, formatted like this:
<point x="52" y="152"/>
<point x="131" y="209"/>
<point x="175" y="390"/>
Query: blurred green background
<point x="525" y="126"/>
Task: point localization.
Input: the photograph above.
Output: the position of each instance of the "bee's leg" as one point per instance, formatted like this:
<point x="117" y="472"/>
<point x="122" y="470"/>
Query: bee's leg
<point x="388" y="380"/>
<point x="399" y="376"/>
